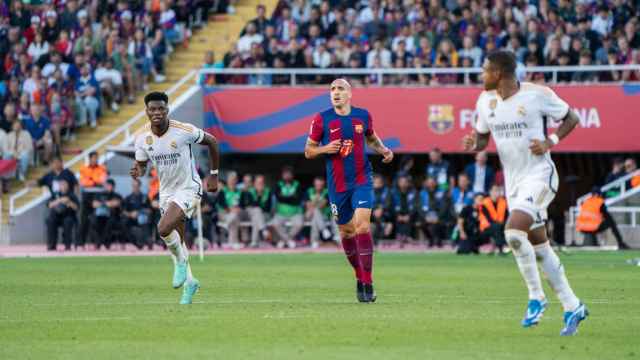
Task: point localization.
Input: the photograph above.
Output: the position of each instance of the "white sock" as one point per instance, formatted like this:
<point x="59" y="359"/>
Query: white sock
<point x="186" y="253"/>
<point x="174" y="245"/>
<point x="526" y="259"/>
<point x="554" y="271"/>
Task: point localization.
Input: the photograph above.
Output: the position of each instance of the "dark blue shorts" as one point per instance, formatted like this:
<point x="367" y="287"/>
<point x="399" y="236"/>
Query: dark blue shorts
<point x="344" y="204"/>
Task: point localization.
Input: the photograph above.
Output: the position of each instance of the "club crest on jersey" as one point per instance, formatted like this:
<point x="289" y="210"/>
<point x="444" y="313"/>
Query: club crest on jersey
<point x="359" y="128"/>
<point x="149" y="140"/>
<point x="173" y="145"/>
<point x="441" y="118"/>
<point x="346" y="148"/>
<point x="493" y="103"/>
<point x="522" y="111"/>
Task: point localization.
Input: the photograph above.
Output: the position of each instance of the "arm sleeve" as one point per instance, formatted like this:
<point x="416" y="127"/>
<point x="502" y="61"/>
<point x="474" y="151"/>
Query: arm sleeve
<point x="196" y="136"/>
<point x="551" y="105"/>
<point x="369" y="131"/>
<point x="315" y="132"/>
<point x="480" y="125"/>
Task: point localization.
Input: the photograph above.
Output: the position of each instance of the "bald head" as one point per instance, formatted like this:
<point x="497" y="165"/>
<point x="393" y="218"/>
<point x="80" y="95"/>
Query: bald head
<point x="341" y="82"/>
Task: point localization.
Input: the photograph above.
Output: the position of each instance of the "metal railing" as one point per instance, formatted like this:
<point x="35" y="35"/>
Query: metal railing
<point x="380" y="73"/>
<point x="620" y="184"/>
<point x="123" y="129"/>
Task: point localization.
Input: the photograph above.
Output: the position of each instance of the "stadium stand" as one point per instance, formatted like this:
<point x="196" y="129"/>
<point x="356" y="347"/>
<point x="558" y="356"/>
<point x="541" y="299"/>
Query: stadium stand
<point x="131" y="46"/>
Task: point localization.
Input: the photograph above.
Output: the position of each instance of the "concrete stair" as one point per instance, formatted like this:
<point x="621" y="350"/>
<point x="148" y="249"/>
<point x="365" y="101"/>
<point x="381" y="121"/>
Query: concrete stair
<point x="218" y="35"/>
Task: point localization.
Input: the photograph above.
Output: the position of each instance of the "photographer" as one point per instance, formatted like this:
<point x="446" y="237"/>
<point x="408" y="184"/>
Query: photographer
<point x="137" y="216"/>
<point x="105" y="220"/>
<point x="63" y="207"/>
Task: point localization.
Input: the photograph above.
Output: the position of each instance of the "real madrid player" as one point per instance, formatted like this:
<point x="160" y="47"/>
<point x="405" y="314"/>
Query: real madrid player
<point x="515" y="114"/>
<point x="167" y="143"/>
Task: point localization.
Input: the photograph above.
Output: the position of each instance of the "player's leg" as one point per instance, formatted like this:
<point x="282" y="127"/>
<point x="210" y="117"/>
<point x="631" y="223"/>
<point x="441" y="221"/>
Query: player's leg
<point x="361" y="201"/>
<point x="168" y="225"/>
<point x="516" y="236"/>
<point x="553" y="269"/>
<point x="191" y="284"/>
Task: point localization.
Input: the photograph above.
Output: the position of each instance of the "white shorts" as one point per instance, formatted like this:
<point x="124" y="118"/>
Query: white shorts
<point x="533" y="197"/>
<point x="187" y="201"/>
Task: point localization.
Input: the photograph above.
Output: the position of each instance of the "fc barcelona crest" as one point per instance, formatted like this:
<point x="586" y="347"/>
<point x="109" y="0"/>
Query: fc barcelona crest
<point x="359" y="128"/>
<point x="149" y="140"/>
<point x="441" y="119"/>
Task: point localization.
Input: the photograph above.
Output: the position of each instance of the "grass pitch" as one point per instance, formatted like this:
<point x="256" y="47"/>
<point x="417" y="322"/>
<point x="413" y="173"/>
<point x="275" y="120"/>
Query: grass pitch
<point x="430" y="306"/>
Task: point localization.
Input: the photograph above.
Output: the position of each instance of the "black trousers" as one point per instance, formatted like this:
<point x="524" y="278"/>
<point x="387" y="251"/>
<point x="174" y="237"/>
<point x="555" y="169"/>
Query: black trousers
<point x="608" y="222"/>
<point x="494" y="233"/>
<point x="103" y="229"/>
<point x="435" y="233"/>
<point x="54" y="222"/>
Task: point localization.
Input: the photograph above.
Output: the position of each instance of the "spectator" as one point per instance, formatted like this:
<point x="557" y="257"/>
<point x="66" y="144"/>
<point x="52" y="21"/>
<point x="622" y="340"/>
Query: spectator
<point x="57" y="174"/>
<point x="585" y="76"/>
<point x="136" y="211"/>
<point x="379" y="52"/>
<point x="260" y="22"/>
<point x="468" y="227"/>
<point x="480" y="174"/>
<point x="209" y="63"/>
<point x="288" y="209"/>
<point x="168" y="23"/>
<point x="318" y="213"/>
<point x="111" y="84"/>
<point x="17" y="145"/>
<point x="140" y="51"/>
<point x="631" y="168"/>
<point x="209" y="220"/>
<point x="87" y="95"/>
<point x="435" y="211"/>
<point x="63" y="208"/>
<point x="492" y="216"/>
<point x="594" y="218"/>
<point x="10" y="116"/>
<point x="462" y="195"/>
<point x="382" y="221"/>
<point x="404" y="203"/>
<point x="602" y="53"/>
<point x="440" y="170"/>
<point x="248" y="39"/>
<point x="55" y="63"/>
<point x="470" y="50"/>
<point x="92" y="178"/>
<point x="38" y="49"/>
<point x="257" y="201"/>
<point x="106" y="221"/>
<point x="39" y="127"/>
<point x="229" y="202"/>
<point x="603" y="22"/>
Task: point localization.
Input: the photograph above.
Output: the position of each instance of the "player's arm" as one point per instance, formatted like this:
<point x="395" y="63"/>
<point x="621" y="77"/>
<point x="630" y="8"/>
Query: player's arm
<point x="313" y="149"/>
<point x="556" y="108"/>
<point x="214" y="160"/>
<point x="139" y="169"/>
<point x="375" y="143"/>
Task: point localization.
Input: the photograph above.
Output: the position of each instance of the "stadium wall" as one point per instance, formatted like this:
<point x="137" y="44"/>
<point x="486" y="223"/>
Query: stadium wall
<point x="410" y="120"/>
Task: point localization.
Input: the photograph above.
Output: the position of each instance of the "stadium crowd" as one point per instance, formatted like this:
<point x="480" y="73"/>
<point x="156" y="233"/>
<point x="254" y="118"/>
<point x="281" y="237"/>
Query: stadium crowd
<point x="437" y="33"/>
<point x="64" y="63"/>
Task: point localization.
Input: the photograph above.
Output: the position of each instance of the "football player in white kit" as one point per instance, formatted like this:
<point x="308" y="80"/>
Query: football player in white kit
<point x="514" y="114"/>
<point x="167" y="144"/>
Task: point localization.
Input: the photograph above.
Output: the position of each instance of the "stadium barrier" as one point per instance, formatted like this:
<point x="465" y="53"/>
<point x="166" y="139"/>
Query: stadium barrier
<point x="382" y="73"/>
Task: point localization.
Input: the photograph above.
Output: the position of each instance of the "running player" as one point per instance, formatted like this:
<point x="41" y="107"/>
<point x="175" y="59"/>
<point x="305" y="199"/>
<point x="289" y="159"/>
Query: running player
<point x="341" y="133"/>
<point x="167" y="143"/>
<point x="515" y="114"/>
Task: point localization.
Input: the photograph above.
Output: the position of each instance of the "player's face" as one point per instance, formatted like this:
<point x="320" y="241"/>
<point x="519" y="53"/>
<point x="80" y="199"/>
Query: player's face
<point x="490" y="76"/>
<point x="340" y="93"/>
<point x="157" y="112"/>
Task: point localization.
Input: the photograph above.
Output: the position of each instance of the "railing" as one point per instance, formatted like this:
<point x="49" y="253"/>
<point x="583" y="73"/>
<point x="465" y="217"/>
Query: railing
<point x="621" y="184"/>
<point x="123" y="129"/>
<point x="380" y="73"/>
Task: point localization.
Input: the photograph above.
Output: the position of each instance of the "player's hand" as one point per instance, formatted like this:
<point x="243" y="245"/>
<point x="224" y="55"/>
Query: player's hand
<point x="387" y="156"/>
<point x="212" y="183"/>
<point x="333" y="147"/>
<point x="538" y="147"/>
<point x="135" y="171"/>
<point x="469" y="141"/>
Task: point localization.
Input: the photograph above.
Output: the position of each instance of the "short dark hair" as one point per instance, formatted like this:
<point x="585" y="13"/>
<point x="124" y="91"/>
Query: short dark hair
<point x="91" y="154"/>
<point x="156" y="96"/>
<point x="503" y="60"/>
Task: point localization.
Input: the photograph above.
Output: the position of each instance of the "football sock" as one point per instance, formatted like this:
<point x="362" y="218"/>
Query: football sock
<point x="186" y="255"/>
<point x="554" y="271"/>
<point x="365" y="252"/>
<point x="351" y="251"/>
<point x="526" y="259"/>
<point x="174" y="245"/>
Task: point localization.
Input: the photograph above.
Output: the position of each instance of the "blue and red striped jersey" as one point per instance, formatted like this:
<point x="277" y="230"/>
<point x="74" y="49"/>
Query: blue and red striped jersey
<point x="350" y="166"/>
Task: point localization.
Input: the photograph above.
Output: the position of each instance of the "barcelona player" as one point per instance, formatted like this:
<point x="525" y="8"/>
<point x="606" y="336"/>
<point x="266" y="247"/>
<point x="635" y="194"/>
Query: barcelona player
<point x="340" y="133"/>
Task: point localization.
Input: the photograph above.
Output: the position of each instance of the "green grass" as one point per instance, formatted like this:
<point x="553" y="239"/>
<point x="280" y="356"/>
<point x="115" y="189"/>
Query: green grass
<point x="303" y="307"/>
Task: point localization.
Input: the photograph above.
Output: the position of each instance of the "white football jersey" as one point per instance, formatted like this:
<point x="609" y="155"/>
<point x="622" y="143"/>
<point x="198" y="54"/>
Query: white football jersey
<point x="172" y="157"/>
<point x="516" y="121"/>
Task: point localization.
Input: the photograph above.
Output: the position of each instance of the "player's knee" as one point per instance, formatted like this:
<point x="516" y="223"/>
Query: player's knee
<point x="363" y="227"/>
<point x="517" y="240"/>
<point x="164" y="230"/>
<point x="347" y="232"/>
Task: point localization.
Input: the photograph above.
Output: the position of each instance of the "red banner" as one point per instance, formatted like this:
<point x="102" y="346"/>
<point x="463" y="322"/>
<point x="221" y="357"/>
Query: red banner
<point x="412" y="120"/>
